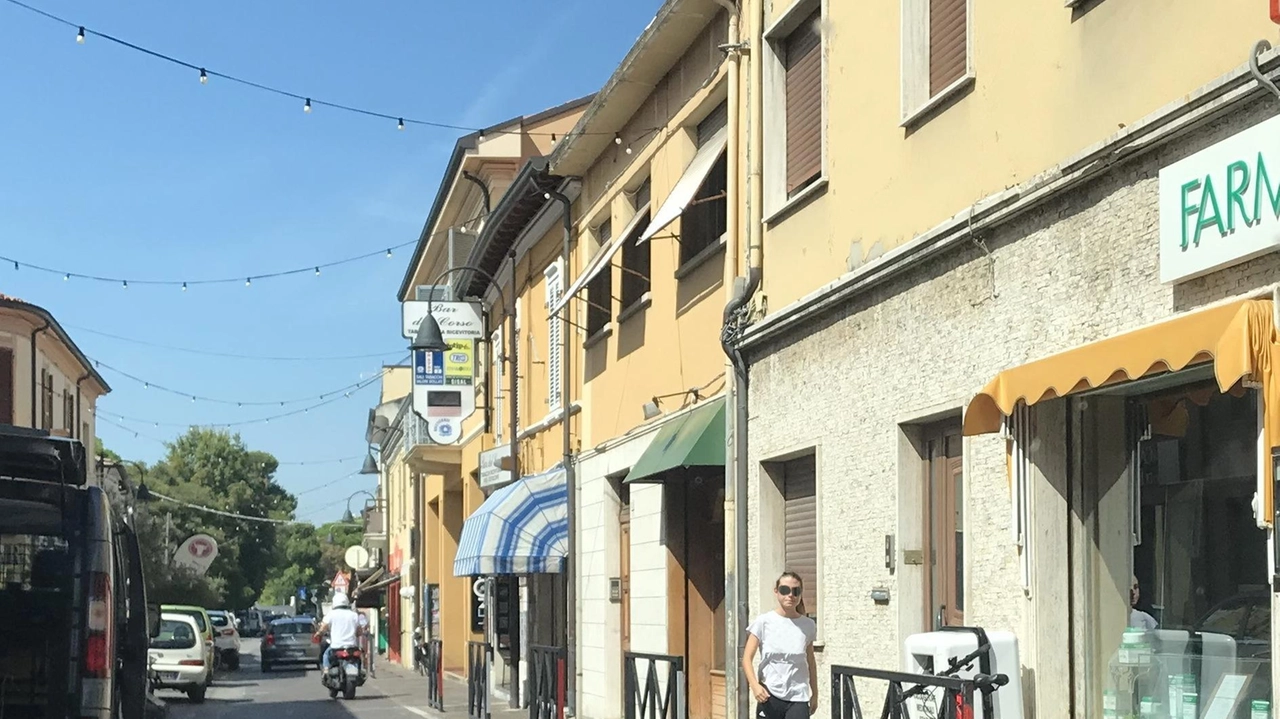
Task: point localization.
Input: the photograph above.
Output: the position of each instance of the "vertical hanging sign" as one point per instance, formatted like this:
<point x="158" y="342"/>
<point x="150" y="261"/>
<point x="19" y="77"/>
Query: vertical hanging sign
<point x="444" y="382"/>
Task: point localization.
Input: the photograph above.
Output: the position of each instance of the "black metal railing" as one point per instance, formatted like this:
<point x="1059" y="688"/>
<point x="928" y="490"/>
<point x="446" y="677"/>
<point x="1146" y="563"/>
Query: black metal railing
<point x="546" y="682"/>
<point x="479" y="659"/>
<point x="435" y="674"/>
<point x="945" y="695"/>
<point x="653" y="686"/>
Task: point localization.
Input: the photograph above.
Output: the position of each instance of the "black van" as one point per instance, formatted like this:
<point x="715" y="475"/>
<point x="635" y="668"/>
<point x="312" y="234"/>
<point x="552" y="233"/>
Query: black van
<point x="74" y="640"/>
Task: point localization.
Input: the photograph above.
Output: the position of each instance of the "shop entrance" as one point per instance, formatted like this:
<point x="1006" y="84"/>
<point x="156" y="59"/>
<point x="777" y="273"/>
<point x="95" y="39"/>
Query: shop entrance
<point x="1169" y="563"/>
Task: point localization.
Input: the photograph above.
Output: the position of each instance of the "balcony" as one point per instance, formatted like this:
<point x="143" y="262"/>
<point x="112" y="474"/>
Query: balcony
<point x="375" y="528"/>
<point x="420" y="451"/>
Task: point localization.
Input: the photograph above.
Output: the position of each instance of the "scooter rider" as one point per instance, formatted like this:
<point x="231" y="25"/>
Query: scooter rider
<point x="343" y="626"/>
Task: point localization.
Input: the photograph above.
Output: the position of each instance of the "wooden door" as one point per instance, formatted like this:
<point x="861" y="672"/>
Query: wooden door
<point x="624" y="574"/>
<point x="944" y="527"/>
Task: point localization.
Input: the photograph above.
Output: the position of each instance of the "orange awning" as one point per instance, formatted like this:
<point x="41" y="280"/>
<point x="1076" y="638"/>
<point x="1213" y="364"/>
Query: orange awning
<point x="1165" y="347"/>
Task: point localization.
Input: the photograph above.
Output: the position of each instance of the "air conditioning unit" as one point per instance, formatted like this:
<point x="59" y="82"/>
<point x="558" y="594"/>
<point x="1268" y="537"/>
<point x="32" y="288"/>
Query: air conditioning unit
<point x="932" y="652"/>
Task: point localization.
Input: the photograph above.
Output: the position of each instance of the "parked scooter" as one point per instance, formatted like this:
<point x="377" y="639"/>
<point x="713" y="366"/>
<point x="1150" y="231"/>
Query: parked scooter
<point x="346" y="672"/>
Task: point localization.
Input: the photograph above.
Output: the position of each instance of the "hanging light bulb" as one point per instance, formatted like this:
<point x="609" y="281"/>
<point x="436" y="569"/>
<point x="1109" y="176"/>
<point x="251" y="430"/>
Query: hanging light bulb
<point x="306" y="106"/>
<point x="80" y="36"/>
<point x="125" y="284"/>
<point x="317" y="272"/>
<point x="617" y="139"/>
<point x="184" y="286"/>
<point x="248" y="281"/>
<point x="388" y="252"/>
<point x="553" y="138"/>
<point x="146" y="385"/>
<point x="66" y="277"/>
<point x="15" y="264"/>
<point x="204" y="77"/>
<point x="400" y="124"/>
<point x="193" y="398"/>
<point x="628" y="149"/>
<point x="481" y="137"/>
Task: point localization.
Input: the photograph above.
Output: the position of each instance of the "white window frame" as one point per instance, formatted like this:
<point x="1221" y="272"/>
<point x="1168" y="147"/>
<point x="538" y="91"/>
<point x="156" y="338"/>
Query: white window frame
<point x="553" y="277"/>
<point x="776" y="202"/>
<point x="916" y="99"/>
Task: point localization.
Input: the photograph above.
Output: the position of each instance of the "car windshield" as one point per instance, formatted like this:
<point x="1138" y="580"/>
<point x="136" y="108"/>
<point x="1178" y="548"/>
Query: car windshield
<point x="218" y="620"/>
<point x="294" y="628"/>
<point x="174" y="634"/>
<point x="198" y="616"/>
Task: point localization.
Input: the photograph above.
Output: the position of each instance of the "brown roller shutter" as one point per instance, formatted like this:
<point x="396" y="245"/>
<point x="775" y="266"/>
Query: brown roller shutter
<point x="803" y="64"/>
<point x="948" y="37"/>
<point x="6" y="386"/>
<point x="800" y="480"/>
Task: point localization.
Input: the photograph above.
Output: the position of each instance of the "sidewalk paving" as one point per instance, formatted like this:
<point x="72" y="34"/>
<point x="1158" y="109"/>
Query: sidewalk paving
<point x="394" y="679"/>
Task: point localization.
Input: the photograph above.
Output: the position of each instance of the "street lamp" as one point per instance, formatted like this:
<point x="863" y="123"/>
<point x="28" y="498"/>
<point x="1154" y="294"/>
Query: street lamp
<point x="370" y="464"/>
<point x="348" y="517"/>
<point x="429" y="338"/>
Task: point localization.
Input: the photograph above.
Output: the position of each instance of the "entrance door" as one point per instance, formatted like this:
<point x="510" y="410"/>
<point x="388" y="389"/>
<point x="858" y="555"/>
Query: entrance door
<point x="944" y="526"/>
<point x="624" y="574"/>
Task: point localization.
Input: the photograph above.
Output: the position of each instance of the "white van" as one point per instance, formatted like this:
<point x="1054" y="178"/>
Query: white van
<point x="177" y="657"/>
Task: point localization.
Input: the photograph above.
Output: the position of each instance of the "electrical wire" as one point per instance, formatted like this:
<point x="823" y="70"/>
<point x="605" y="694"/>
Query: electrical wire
<point x="308" y="101"/>
<point x="244" y="517"/>
<point x="246" y="279"/>
<point x="230" y="355"/>
<point x="147" y="384"/>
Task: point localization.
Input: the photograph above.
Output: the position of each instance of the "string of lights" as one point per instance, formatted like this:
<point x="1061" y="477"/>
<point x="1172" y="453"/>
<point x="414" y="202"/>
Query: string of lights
<point x="243" y="517"/>
<point x="230" y="355"/>
<point x="301" y="463"/>
<point x="308" y="102"/>
<point x="330" y="483"/>
<point x="147" y="384"/>
<point x="228" y="425"/>
<point x="247" y="279"/>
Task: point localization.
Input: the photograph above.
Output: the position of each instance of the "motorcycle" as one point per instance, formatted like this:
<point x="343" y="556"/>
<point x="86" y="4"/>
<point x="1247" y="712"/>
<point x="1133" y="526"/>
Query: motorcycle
<point x="346" y="672"/>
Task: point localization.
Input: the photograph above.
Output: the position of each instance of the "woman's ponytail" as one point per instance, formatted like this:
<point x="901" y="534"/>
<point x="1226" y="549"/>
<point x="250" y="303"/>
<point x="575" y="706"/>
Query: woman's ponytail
<point x="800" y="608"/>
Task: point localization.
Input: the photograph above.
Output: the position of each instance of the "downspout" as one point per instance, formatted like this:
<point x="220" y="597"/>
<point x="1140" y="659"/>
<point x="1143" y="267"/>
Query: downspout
<point x="513" y="367"/>
<point x="735" y="564"/>
<point x="35" y="356"/>
<point x="571" y="479"/>
<point x="484" y="191"/>
<point x="79" y="412"/>
<point x="737" y="584"/>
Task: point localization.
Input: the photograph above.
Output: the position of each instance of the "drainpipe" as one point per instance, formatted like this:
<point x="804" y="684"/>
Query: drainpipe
<point x="735" y="565"/>
<point x="34" y="361"/>
<point x="79" y="412"/>
<point x="737" y="582"/>
<point x="513" y="367"/>
<point x="571" y="479"/>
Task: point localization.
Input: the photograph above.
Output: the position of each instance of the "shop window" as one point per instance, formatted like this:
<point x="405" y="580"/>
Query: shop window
<point x="637" y="256"/>
<point x="6" y="385"/>
<point x="600" y="288"/>
<point x="800" y="508"/>
<point x="1172" y="562"/>
<point x="944" y="526"/>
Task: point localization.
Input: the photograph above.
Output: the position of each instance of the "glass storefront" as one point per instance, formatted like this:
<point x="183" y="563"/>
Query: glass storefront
<point x="1174" y="610"/>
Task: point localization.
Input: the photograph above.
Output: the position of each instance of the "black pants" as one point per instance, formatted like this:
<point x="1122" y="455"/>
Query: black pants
<point x="779" y="709"/>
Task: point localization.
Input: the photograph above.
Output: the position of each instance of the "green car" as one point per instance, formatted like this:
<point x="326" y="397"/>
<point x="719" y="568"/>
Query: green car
<point x="206" y="631"/>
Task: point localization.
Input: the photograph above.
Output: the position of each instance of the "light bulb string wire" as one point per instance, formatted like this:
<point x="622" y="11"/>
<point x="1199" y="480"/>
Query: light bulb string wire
<point x="231" y="355"/>
<point x="248" y="518"/>
<point x="238" y="403"/>
<point x="308" y="100"/>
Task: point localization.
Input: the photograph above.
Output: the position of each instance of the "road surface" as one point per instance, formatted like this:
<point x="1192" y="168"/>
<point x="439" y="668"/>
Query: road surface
<point x="290" y="693"/>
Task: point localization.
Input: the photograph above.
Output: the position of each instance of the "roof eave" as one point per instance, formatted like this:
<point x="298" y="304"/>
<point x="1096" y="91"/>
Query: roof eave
<point x="52" y="323"/>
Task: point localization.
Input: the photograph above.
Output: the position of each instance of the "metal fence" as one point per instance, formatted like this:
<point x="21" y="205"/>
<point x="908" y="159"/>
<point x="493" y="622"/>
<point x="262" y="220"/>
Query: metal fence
<point x="653" y="686"/>
<point x="435" y="674"/>
<point x="546" y="682"/>
<point x="479" y="658"/>
<point x="922" y="696"/>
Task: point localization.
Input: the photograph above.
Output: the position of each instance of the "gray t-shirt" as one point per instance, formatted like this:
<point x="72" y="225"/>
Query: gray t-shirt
<point x="784" y="655"/>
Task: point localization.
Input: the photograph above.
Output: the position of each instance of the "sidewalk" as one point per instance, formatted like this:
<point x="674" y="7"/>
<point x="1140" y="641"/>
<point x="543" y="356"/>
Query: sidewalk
<point x="394" y="680"/>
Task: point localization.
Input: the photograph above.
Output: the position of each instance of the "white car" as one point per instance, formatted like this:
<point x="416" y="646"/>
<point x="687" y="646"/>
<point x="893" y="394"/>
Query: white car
<point x="226" y="638"/>
<point x="177" y="658"/>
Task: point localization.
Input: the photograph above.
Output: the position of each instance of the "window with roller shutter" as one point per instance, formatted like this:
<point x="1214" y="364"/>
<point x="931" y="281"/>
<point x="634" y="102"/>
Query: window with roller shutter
<point x="802" y="63"/>
<point x="936" y="56"/>
<point x="554" y="276"/>
<point x="799" y="493"/>
<point x="637" y="258"/>
<point x="6" y="385"/>
<point x="600" y="288"/>
<point x="795" y="90"/>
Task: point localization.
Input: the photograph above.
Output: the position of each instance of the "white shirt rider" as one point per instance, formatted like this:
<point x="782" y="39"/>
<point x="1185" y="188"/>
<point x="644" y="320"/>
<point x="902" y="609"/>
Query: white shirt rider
<point x="342" y="624"/>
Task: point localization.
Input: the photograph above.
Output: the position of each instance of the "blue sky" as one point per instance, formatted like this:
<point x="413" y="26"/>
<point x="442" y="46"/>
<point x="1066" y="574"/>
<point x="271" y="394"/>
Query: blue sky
<point x="116" y="164"/>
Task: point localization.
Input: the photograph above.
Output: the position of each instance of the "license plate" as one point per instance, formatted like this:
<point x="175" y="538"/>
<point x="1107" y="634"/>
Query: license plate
<point x="169" y="676"/>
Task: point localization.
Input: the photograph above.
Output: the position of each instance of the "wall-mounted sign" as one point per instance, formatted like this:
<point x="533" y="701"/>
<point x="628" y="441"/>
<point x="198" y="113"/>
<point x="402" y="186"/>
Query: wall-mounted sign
<point x="1221" y="206"/>
<point x="478" y="588"/>
<point x="491" y="472"/>
<point x="460" y="320"/>
<point x="197" y="553"/>
<point x="444" y="389"/>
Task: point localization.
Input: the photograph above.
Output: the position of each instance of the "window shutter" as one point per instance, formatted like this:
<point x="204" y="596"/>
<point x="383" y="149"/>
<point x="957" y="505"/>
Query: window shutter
<point x="523" y="357"/>
<point x="799" y="486"/>
<point x="555" y="287"/>
<point x="6" y="386"/>
<point x="948" y="37"/>
<point x="803" y="65"/>
<point x="499" y="389"/>
<point x="712" y="123"/>
<point x="637" y="259"/>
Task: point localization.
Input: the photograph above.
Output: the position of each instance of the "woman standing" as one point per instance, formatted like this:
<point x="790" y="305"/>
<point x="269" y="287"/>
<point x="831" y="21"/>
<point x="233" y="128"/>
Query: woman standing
<point x="786" y="685"/>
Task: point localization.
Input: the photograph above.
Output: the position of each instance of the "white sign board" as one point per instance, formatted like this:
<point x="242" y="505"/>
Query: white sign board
<point x="197" y="553"/>
<point x="458" y="320"/>
<point x="491" y="472"/>
<point x="356" y="557"/>
<point x="1221" y="206"/>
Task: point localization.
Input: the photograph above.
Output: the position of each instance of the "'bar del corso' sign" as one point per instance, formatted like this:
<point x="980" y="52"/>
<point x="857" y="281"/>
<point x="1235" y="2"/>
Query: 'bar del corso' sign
<point x="444" y="382"/>
<point x="1221" y="206"/>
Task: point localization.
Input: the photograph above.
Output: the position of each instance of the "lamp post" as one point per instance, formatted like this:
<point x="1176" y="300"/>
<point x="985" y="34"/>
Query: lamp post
<point x="347" y="516"/>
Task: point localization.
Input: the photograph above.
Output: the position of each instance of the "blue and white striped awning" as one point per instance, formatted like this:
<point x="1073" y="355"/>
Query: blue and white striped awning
<point x="522" y="528"/>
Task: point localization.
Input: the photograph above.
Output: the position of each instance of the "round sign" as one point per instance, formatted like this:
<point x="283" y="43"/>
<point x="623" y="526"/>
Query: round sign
<point x="357" y="557"/>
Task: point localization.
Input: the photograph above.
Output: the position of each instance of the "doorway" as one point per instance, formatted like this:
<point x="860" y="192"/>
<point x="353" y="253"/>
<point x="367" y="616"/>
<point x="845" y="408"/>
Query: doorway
<point x="943" y="505"/>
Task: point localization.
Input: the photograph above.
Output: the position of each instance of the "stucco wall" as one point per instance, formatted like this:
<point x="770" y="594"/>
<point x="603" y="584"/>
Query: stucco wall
<point x="1081" y="267"/>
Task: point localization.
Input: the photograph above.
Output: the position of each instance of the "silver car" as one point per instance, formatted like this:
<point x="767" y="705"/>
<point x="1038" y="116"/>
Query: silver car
<point x="290" y="640"/>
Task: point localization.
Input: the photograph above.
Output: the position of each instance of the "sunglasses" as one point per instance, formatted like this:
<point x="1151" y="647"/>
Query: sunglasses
<point x="785" y="591"/>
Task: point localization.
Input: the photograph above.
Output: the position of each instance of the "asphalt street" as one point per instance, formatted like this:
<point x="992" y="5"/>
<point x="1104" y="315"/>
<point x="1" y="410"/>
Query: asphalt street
<point x="288" y="693"/>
